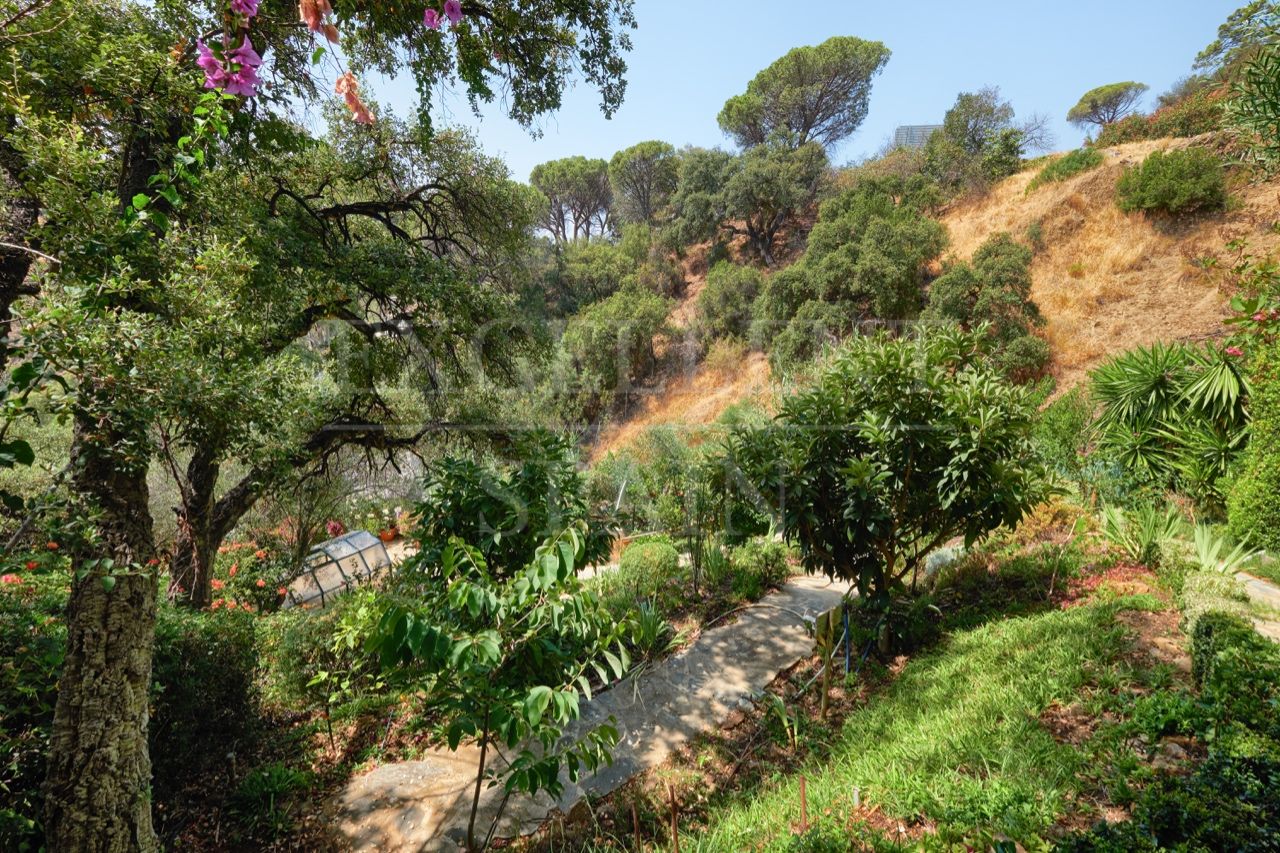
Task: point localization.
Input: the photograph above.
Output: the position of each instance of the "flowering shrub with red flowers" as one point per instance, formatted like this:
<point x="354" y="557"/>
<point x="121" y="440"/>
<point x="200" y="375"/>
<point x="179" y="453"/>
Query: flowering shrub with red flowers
<point x="249" y="578"/>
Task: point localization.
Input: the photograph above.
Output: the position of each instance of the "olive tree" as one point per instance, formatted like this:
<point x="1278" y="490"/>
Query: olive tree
<point x="1105" y="104"/>
<point x="643" y="178"/>
<point x="901" y="445"/>
<point x="812" y="94"/>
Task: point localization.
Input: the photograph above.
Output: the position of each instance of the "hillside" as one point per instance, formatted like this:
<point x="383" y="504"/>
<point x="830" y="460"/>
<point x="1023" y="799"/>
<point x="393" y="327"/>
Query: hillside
<point x="1105" y="281"/>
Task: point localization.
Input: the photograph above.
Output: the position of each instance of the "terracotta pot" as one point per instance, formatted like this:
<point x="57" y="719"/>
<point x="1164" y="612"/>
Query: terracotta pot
<point x="389" y="534"/>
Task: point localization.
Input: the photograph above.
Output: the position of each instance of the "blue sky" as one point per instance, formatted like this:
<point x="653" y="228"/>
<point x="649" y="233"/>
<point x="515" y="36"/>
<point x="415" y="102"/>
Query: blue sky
<point x="690" y="55"/>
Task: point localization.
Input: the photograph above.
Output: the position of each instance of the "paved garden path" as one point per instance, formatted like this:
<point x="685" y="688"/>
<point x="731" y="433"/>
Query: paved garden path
<point x="424" y="805"/>
<point x="1266" y="594"/>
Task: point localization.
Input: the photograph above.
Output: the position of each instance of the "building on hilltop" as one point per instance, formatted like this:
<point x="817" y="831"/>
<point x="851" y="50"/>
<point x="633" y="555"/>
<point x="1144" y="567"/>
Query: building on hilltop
<point x="913" y="135"/>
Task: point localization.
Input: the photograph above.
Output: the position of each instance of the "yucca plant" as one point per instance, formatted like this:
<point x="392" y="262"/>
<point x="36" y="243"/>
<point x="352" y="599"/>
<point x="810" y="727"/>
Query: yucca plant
<point x="1209" y="549"/>
<point x="1141" y="535"/>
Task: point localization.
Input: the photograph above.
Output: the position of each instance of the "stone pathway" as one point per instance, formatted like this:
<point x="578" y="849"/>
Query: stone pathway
<point x="424" y="805"/>
<point x="1266" y="594"/>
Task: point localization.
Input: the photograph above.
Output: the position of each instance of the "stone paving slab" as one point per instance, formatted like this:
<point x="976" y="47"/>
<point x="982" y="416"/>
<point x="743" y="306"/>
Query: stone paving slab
<point x="424" y="805"/>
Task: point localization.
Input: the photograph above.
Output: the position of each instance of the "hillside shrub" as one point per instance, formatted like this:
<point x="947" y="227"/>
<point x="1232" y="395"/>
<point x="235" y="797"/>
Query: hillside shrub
<point x="1174" y="182"/>
<point x="1201" y="112"/>
<point x="815" y="327"/>
<point x="1068" y="165"/>
<point x="725" y="356"/>
<point x="648" y="570"/>
<point x="611" y="343"/>
<point x="724" y="305"/>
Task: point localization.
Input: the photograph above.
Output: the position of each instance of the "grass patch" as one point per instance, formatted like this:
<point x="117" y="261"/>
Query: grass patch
<point x="956" y="740"/>
<point x="1068" y="165"/>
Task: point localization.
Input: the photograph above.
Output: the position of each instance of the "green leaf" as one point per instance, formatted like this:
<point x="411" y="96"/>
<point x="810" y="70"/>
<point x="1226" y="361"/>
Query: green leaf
<point x="108" y="582"/>
<point x="140" y="201"/>
<point x="536" y="704"/>
<point x="17" y="452"/>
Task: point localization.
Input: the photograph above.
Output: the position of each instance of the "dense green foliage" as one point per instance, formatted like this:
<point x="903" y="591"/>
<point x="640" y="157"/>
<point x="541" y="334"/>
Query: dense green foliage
<point x="506" y="662"/>
<point x="1106" y="104"/>
<point x="812" y="94"/>
<point x="1184" y="181"/>
<point x="993" y="292"/>
<point x="724" y="305"/>
<point x="651" y="557"/>
<point x="505" y="513"/>
<point x="611" y="344"/>
<point x="1253" y="509"/>
<point x="1067" y="166"/>
<point x="869" y="501"/>
<point x="864" y="263"/>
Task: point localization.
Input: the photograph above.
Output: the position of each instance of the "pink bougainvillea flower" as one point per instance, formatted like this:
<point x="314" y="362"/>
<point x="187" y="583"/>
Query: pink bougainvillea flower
<point x="453" y="11"/>
<point x="248" y="8"/>
<point x="244" y="80"/>
<point x="1259" y="317"/>
<point x="1234" y="351"/>
<point x="10" y="579"/>
<point x="215" y="75"/>
<point x="432" y="19"/>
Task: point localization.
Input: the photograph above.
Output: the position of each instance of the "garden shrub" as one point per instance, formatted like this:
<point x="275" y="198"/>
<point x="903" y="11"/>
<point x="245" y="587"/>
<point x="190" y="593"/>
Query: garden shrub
<point x="762" y="559"/>
<point x="1238" y="671"/>
<point x="1174" y="182"/>
<point x="203" y="682"/>
<point x="1068" y="165"/>
<point x="648" y="570"/>
<point x="1062" y="435"/>
<point x="724" y="305"/>
<point x="1209" y="592"/>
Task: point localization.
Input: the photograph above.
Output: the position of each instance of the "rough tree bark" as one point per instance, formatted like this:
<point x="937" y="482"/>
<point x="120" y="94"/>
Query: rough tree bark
<point x="97" y="792"/>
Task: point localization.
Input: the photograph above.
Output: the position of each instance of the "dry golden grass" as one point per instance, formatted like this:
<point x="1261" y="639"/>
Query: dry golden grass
<point x="1105" y="280"/>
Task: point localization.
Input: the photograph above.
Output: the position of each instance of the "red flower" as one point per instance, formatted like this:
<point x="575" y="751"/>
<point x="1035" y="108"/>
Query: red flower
<point x="282" y="592"/>
<point x="51" y="545"/>
<point x="153" y="562"/>
<point x="261" y="583"/>
<point x="217" y="602"/>
<point x="32" y="564"/>
<point x="1259" y="317"/>
<point x="1235" y="352"/>
<point x="231" y="604"/>
<point x="10" y="579"/>
<point x="260" y="554"/>
<point x="216" y="584"/>
<point x="235" y="567"/>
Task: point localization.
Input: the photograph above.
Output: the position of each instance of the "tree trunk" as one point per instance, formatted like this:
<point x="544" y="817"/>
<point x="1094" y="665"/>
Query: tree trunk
<point x="97" y="792"/>
<point x="196" y="540"/>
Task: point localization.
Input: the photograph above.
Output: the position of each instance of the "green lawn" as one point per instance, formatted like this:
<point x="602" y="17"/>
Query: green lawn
<point x="956" y="738"/>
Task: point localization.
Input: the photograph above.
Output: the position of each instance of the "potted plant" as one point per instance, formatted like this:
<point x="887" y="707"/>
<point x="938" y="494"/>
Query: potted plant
<point x="389" y="529"/>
